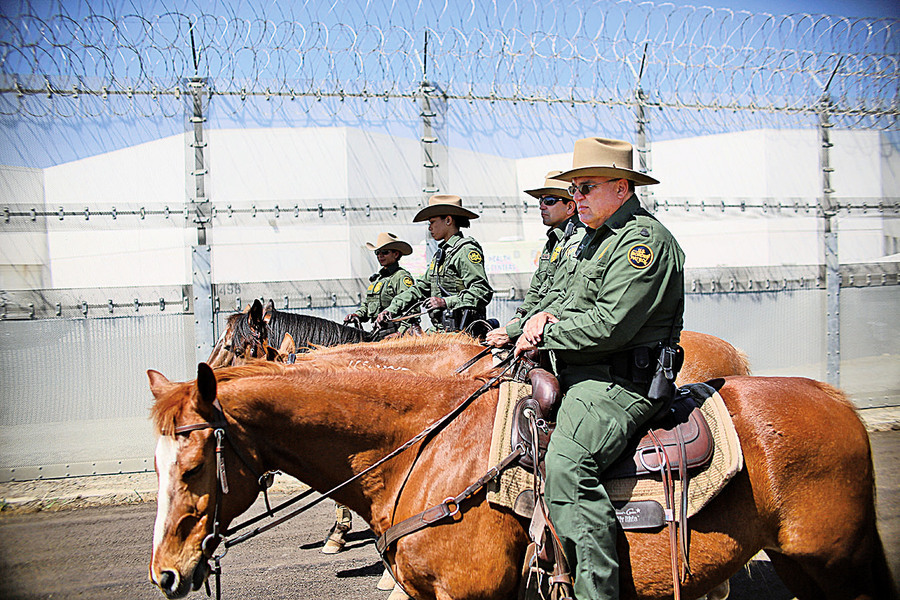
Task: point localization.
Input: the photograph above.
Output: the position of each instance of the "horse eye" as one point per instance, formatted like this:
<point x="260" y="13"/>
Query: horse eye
<point x="191" y="473"/>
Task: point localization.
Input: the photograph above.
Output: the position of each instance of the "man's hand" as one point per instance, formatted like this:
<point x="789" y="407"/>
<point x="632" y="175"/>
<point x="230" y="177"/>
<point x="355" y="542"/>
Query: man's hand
<point x="497" y="337"/>
<point x="434" y="303"/>
<point x="534" y="327"/>
<point x="383" y="317"/>
<point x="352" y="318"/>
<point x="523" y="346"/>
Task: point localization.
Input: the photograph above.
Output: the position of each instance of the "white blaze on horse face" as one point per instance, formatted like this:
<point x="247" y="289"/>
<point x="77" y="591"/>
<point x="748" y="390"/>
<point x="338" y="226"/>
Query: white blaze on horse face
<point x="166" y="454"/>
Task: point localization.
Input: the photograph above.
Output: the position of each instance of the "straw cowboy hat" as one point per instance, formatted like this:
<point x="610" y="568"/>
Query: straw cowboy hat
<point x="604" y="158"/>
<point x="389" y="241"/>
<point x="443" y="204"/>
<point x="552" y="187"/>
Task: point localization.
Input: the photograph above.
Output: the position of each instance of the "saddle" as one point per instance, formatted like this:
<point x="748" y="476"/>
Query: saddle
<point x="678" y="440"/>
<point x="682" y="422"/>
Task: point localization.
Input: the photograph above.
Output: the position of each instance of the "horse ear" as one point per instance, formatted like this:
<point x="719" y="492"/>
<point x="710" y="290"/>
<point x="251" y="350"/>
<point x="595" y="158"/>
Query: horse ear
<point x="158" y="382"/>
<point x="256" y="316"/>
<point x="206" y="382"/>
<point x="287" y="345"/>
<point x="270" y="310"/>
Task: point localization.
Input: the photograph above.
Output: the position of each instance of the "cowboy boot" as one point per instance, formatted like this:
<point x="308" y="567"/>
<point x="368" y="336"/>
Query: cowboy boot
<point x="386" y="582"/>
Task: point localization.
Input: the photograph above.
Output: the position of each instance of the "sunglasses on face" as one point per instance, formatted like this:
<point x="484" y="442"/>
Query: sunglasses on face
<point x="382" y="252"/>
<point x="585" y="188"/>
<point x="550" y="200"/>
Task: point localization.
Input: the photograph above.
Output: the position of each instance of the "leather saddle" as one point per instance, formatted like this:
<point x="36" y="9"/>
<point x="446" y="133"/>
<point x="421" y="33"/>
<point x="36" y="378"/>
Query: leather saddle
<point x="640" y="458"/>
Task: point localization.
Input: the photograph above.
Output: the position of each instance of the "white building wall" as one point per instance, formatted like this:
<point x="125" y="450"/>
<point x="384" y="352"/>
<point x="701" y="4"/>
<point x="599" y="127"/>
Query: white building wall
<point x="24" y="257"/>
<point x="306" y="166"/>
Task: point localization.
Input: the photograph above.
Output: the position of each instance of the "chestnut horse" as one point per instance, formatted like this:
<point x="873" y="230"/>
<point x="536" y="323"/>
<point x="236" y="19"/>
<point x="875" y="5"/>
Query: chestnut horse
<point x="705" y="356"/>
<point x="805" y="495"/>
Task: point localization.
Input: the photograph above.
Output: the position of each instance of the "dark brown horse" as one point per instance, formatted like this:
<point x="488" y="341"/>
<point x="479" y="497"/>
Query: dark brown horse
<point x="805" y="495"/>
<point x="258" y="333"/>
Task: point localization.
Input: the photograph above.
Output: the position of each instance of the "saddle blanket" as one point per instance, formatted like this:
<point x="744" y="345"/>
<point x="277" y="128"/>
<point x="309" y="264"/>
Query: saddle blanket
<point x="513" y="488"/>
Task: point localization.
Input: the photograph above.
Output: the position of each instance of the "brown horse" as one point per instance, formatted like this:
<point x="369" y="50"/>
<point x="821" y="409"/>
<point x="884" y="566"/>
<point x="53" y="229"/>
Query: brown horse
<point x="805" y="495"/>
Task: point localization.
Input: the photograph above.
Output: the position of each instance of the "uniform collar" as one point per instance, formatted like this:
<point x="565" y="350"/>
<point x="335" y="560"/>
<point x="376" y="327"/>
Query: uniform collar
<point x="454" y="239"/>
<point x="618" y="219"/>
<point x="559" y="231"/>
<point x="390" y="269"/>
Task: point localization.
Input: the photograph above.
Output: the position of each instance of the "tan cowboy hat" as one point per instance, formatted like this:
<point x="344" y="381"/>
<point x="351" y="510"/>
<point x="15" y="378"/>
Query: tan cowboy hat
<point x="604" y="158"/>
<point x="552" y="187"/>
<point x="443" y="204"/>
<point x="389" y="241"/>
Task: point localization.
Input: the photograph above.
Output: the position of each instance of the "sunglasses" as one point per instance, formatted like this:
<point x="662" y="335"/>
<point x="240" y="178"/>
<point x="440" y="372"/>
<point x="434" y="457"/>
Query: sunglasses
<point x="382" y="252"/>
<point x="551" y="200"/>
<point x="585" y="188"/>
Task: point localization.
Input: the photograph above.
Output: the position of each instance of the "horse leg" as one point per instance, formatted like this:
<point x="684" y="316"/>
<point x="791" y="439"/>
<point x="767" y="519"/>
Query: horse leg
<point x="864" y="576"/>
<point x="794" y="577"/>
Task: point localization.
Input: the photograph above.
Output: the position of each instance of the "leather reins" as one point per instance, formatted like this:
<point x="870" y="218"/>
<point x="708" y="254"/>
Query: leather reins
<point x="220" y="426"/>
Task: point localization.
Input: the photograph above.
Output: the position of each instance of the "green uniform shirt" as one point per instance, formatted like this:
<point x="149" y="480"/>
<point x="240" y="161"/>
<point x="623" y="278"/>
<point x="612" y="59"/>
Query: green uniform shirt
<point x="544" y="277"/>
<point x="387" y="283"/>
<point x="461" y="274"/>
<point x="626" y="290"/>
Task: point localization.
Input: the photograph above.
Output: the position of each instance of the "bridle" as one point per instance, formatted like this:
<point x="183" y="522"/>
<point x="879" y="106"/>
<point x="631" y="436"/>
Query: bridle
<point x="219" y="425"/>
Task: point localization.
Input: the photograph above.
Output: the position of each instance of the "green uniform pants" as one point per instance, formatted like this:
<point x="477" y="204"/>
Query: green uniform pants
<point x="595" y="421"/>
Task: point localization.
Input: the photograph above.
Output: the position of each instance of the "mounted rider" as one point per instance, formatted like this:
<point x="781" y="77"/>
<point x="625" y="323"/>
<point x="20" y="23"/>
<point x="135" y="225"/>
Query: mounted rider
<point x="390" y="281"/>
<point x="560" y="215"/>
<point x="620" y="311"/>
<point x="455" y="289"/>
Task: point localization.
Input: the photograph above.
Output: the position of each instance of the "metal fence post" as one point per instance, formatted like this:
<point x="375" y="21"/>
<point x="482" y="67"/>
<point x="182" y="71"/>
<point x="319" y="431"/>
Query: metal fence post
<point x="642" y="144"/>
<point x="197" y="98"/>
<point x="433" y="112"/>
<point x="830" y="243"/>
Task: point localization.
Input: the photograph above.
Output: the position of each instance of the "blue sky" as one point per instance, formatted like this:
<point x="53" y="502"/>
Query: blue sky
<point x="43" y="141"/>
<point x="848" y="8"/>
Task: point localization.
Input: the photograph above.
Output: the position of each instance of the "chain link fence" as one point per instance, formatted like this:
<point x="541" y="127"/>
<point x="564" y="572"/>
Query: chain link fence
<point x="165" y="163"/>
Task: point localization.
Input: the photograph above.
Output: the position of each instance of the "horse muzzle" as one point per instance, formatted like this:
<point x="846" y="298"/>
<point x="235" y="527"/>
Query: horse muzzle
<point x="173" y="585"/>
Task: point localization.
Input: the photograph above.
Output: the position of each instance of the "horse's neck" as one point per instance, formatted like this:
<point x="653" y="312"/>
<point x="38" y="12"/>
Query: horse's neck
<point x="324" y="429"/>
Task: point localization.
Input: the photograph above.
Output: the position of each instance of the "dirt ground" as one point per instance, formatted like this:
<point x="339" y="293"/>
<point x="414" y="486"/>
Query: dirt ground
<point x="101" y="552"/>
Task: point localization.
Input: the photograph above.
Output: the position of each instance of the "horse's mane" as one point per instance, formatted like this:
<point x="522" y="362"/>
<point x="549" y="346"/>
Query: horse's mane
<point x="309" y="330"/>
<point x="242" y="332"/>
<point x="169" y="405"/>
<point x="424" y="343"/>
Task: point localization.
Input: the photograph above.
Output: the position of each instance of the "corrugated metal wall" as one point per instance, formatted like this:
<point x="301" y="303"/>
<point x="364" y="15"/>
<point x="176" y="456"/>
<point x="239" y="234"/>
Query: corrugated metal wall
<point x="74" y="397"/>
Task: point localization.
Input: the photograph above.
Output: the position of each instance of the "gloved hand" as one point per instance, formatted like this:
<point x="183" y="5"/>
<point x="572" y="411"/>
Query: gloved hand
<point x="383" y="317"/>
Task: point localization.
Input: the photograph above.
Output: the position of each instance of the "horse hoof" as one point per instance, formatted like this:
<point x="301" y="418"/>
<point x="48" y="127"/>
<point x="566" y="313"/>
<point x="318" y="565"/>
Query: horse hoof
<point x="720" y="592"/>
<point x="332" y="546"/>
<point x="386" y="582"/>
<point x="398" y="594"/>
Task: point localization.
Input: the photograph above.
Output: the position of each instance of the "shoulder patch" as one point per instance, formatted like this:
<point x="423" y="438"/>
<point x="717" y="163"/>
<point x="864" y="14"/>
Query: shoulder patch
<point x="408" y="281"/>
<point x="640" y="256"/>
<point x="570" y="251"/>
<point x="475" y="256"/>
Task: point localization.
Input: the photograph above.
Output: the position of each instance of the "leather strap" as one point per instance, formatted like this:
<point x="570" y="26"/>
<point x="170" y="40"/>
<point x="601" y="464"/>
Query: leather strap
<point x="666" y="474"/>
<point x="448" y="508"/>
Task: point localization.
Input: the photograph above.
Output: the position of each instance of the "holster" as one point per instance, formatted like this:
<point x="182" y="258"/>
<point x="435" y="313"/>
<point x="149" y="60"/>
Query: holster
<point x="662" y="386"/>
<point x="457" y="320"/>
<point x="651" y="369"/>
